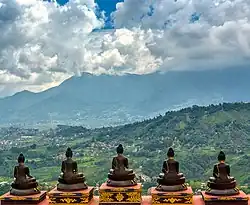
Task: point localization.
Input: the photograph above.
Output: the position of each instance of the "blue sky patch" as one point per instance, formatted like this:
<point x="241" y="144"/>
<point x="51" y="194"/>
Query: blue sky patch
<point x="104" y="5"/>
<point x="195" y="17"/>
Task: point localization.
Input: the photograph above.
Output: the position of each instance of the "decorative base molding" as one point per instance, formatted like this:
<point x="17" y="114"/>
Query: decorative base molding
<point x="81" y="197"/>
<point x="176" y="198"/>
<point x="120" y="195"/>
<point x="8" y="199"/>
<point x="239" y="199"/>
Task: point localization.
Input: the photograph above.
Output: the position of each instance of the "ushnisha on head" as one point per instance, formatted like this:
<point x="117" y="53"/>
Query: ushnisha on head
<point x="170" y="153"/>
<point x="21" y="158"/>
<point x="119" y="149"/>
<point x="221" y="156"/>
<point x="69" y="153"/>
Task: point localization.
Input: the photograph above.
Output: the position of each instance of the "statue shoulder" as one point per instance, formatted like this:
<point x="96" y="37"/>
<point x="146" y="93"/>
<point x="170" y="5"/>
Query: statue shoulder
<point x="114" y="159"/>
<point x="216" y="165"/>
<point x="70" y="160"/>
<point x="221" y="165"/>
<point x="172" y="161"/>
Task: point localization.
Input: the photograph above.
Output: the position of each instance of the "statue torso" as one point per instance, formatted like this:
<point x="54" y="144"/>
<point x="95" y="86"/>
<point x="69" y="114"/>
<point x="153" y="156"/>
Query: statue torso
<point x="171" y="166"/>
<point x="21" y="172"/>
<point x="222" y="170"/>
<point x="69" y="166"/>
<point x="119" y="163"/>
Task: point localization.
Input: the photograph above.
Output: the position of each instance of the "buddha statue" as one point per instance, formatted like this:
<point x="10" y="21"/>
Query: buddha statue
<point x="24" y="184"/>
<point x="70" y="179"/>
<point x="222" y="183"/>
<point x="120" y="175"/>
<point x="171" y="179"/>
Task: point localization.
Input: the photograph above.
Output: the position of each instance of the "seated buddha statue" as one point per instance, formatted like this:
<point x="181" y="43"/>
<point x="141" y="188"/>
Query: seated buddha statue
<point x="70" y="179"/>
<point x="24" y="184"/>
<point x="170" y="179"/>
<point x="120" y="175"/>
<point x="222" y="183"/>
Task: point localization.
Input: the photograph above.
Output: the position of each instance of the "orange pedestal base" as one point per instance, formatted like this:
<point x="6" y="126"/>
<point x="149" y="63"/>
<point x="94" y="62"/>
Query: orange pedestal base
<point x="177" y="198"/>
<point x="80" y="197"/>
<point x="120" y="195"/>
<point x="8" y="199"/>
<point x="146" y="200"/>
<point x="240" y="199"/>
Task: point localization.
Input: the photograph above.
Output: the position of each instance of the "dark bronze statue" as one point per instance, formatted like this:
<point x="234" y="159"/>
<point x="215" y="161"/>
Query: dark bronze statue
<point x="120" y="175"/>
<point x="222" y="183"/>
<point x="24" y="184"/>
<point x="171" y="179"/>
<point x="70" y="179"/>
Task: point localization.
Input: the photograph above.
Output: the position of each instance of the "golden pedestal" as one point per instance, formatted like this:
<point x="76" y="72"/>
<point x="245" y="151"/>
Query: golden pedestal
<point x="239" y="199"/>
<point x="8" y="199"/>
<point x="120" y="195"/>
<point x="80" y="197"/>
<point x="176" y="198"/>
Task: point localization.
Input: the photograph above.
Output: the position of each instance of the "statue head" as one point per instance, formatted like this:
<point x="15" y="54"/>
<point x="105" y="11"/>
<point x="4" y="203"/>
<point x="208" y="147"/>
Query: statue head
<point x="21" y="158"/>
<point x="221" y="156"/>
<point x="119" y="149"/>
<point x="170" y="152"/>
<point x="69" y="153"/>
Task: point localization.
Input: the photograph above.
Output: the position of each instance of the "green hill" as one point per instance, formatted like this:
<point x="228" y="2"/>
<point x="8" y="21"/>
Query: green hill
<point x="197" y="134"/>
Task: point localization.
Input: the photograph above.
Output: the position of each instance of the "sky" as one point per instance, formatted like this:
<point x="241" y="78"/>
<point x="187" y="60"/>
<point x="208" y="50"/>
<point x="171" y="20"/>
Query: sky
<point x="43" y="43"/>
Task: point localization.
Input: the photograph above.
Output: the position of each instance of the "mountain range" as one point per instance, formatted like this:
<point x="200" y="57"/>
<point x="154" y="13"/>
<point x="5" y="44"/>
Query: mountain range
<point x="103" y="100"/>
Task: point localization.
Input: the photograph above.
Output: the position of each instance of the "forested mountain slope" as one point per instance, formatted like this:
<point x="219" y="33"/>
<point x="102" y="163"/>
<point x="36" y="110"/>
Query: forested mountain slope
<point x="197" y="134"/>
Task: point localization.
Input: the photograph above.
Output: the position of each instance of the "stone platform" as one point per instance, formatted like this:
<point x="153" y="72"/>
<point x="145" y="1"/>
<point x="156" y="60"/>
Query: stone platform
<point x="120" y="195"/>
<point x="176" y="198"/>
<point x="8" y="199"/>
<point x="240" y="199"/>
<point x="80" y="197"/>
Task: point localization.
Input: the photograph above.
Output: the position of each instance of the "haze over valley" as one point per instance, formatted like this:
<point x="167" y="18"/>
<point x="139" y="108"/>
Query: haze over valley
<point x="105" y="100"/>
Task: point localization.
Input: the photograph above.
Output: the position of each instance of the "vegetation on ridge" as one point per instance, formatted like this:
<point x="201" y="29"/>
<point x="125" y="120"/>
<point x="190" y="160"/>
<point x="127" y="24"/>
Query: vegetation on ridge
<point x="197" y="134"/>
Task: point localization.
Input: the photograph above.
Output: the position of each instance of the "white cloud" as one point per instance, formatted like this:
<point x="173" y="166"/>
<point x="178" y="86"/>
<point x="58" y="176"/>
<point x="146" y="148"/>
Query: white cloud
<point x="42" y="44"/>
<point x="124" y="51"/>
<point x="220" y="38"/>
<point x="40" y="41"/>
